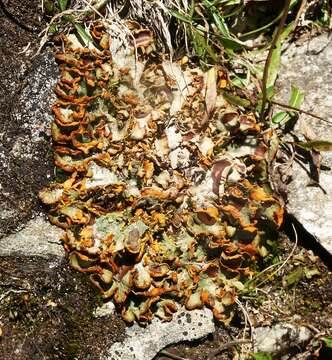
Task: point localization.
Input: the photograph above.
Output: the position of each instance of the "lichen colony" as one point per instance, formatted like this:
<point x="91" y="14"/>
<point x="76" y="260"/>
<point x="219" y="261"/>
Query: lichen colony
<point x="162" y="187"/>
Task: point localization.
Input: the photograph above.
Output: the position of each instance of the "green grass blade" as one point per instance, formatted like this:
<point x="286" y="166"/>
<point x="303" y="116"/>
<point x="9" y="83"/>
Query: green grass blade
<point x="296" y="100"/>
<point x="82" y="33"/>
<point x="202" y="48"/>
<point x="221" y="24"/>
<point x="274" y="65"/>
<point x="63" y="4"/>
<point x="318" y="145"/>
<point x="181" y="17"/>
<point x="280" y="117"/>
<point x="236" y="100"/>
<point x="275" y="20"/>
<point x="297" y="97"/>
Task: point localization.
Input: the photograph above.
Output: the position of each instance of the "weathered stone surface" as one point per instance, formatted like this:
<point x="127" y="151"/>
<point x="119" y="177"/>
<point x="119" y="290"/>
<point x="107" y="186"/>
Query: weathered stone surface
<point x="38" y="238"/>
<point x="280" y="338"/>
<point x="25" y="156"/>
<point x="144" y="343"/>
<point x="309" y="67"/>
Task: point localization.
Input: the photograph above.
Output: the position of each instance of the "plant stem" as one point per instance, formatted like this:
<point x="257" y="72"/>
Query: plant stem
<point x="172" y="356"/>
<point x="227" y="346"/>
<point x="269" y="57"/>
<point x="300" y="111"/>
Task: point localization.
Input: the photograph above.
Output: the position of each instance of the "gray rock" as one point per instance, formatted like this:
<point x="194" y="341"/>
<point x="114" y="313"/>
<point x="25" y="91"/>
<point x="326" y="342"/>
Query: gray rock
<point x="38" y="238"/>
<point x="310" y="205"/>
<point x="280" y="338"/>
<point x="25" y="156"/>
<point x="309" y="67"/>
<point x="144" y="343"/>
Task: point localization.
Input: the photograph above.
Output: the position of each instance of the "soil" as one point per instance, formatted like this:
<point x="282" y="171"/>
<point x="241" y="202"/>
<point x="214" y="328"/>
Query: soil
<point x="47" y="312"/>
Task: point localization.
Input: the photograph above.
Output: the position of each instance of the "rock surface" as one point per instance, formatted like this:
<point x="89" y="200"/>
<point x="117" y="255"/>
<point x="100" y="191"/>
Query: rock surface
<point x="38" y="238"/>
<point x="308" y="66"/>
<point x="46" y="312"/>
<point x="144" y="343"/>
<point x="25" y="156"/>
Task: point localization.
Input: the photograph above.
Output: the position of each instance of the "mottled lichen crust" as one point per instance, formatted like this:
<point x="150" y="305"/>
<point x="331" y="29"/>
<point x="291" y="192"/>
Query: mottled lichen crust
<point x="162" y="189"/>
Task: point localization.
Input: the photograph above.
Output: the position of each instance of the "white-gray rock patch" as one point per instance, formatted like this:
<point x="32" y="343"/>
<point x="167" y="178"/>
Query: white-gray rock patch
<point x="38" y="238"/>
<point x="280" y="337"/>
<point x="143" y="343"/>
<point x="309" y="67"/>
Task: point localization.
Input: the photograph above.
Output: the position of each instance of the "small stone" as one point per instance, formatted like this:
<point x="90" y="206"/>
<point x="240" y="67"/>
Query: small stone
<point x="106" y="309"/>
<point x="280" y="338"/>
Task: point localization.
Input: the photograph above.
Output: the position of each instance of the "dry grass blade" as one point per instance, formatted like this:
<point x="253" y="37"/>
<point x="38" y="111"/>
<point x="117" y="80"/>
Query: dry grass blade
<point x="226" y="346"/>
<point x="46" y="30"/>
<point x="284" y="262"/>
<point x="247" y="320"/>
<point x="172" y="356"/>
<point x="290" y="254"/>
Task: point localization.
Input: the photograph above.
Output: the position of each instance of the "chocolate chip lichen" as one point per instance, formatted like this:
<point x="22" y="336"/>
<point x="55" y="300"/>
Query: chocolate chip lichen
<point x="162" y="185"/>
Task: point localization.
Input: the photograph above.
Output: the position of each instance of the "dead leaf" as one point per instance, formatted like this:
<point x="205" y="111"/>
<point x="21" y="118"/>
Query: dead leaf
<point x="211" y="91"/>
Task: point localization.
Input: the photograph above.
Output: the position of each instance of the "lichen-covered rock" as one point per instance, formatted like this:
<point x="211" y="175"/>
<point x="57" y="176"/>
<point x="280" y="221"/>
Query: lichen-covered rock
<point x="144" y="343"/>
<point x="309" y="67"/>
<point x="163" y="205"/>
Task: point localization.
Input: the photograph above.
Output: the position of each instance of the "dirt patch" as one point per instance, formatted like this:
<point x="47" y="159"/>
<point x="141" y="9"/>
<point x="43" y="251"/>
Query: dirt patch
<point x="25" y="163"/>
<point x="47" y="312"/>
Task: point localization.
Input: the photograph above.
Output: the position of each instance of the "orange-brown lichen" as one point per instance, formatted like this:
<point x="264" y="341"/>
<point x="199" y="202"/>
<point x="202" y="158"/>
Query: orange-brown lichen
<point x="154" y="204"/>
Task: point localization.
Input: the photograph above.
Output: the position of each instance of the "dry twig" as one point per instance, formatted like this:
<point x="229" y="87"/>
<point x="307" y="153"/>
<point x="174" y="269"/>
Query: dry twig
<point x="172" y="356"/>
<point x="226" y="346"/>
<point x="300" y="111"/>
